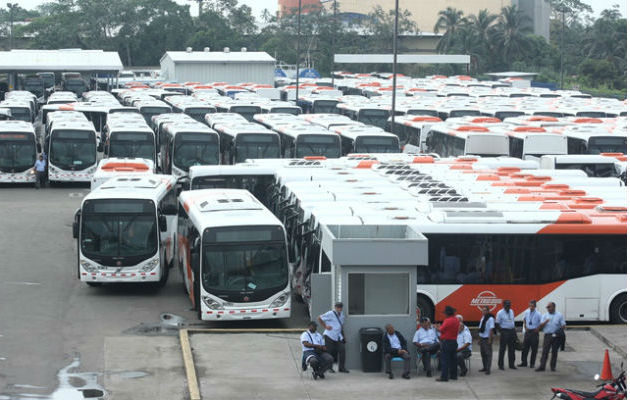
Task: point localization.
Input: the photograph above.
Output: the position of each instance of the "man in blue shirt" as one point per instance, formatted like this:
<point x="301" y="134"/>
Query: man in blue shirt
<point x="40" y="171"/>
<point x="531" y="321"/>
<point x="552" y="325"/>
<point x="314" y="352"/>
<point x="505" y="322"/>
<point x="333" y="321"/>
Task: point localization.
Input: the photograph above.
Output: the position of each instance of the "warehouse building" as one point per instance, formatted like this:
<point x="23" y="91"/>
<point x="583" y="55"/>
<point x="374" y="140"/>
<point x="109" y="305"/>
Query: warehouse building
<point x="218" y="66"/>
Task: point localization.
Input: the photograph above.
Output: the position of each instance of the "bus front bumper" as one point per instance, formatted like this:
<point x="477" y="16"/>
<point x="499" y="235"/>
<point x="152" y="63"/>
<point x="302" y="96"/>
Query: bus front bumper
<point x="114" y="277"/>
<point x="245" y="314"/>
<point x="18" y="177"/>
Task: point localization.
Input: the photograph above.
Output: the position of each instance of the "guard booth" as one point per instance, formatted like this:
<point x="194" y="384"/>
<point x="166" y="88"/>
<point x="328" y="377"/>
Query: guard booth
<point x="373" y="272"/>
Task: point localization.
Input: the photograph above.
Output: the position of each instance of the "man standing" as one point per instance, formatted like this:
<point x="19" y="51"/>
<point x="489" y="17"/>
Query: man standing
<point x="40" y="171"/>
<point x="486" y="333"/>
<point x="427" y="343"/>
<point x="448" y="351"/>
<point x="552" y="325"/>
<point x="333" y="321"/>
<point x="395" y="345"/>
<point x="464" y="345"/>
<point x="314" y="352"/>
<point x="505" y="321"/>
<point x="531" y="321"/>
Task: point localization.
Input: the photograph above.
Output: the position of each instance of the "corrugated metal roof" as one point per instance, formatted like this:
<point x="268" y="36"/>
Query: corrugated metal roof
<point x="218" y="56"/>
<point x="60" y="60"/>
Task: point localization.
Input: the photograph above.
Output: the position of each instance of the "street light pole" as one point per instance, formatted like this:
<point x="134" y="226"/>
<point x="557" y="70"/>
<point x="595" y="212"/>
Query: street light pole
<point x="297" y="60"/>
<point x="11" y="7"/>
<point x="562" y="50"/>
<point x="395" y="67"/>
<point x="332" y="62"/>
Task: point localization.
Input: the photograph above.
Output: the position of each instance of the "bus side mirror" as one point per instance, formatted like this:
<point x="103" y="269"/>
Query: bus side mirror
<point x="75" y="224"/>
<point x="182" y="183"/>
<point x="162" y="223"/>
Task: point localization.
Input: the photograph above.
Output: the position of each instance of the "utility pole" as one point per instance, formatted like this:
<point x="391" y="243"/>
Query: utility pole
<point x="297" y="60"/>
<point x="395" y="67"/>
<point x="334" y="36"/>
<point x="562" y="49"/>
<point x="11" y="7"/>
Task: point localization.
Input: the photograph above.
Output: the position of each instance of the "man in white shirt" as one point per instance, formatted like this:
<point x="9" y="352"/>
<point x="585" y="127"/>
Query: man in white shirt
<point x="333" y="321"/>
<point x="486" y="332"/>
<point x="505" y="322"/>
<point x="464" y="345"/>
<point x="552" y="325"/>
<point x="427" y="343"/>
<point x="314" y="352"/>
<point x="531" y="321"/>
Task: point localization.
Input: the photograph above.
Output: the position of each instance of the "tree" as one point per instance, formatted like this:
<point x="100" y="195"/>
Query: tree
<point x="481" y="27"/>
<point x="511" y="32"/>
<point x="449" y="21"/>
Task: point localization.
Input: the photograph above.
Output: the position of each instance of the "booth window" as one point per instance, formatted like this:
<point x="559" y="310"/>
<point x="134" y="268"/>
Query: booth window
<point x="378" y="294"/>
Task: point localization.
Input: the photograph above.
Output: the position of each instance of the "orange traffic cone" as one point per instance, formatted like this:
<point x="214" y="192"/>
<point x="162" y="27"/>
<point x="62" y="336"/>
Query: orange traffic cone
<point x="606" y="374"/>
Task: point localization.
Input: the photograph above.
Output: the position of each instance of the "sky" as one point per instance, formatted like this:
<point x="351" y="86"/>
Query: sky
<point x="272" y="5"/>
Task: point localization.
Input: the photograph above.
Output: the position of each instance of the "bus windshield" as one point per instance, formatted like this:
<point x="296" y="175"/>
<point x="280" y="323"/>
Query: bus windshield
<point x="283" y="110"/>
<point x="132" y="144"/>
<point x="195" y="149"/>
<point x="607" y="144"/>
<point x="21" y="114"/>
<point x="119" y="232"/>
<point x="149" y="112"/>
<point x="325" y="106"/>
<point x="592" y="170"/>
<point x="246" y="112"/>
<point x="248" y="261"/>
<point x="17" y="152"/>
<point x="199" y="113"/>
<point x="430" y="113"/>
<point x="374" y="144"/>
<point x="374" y="117"/>
<point x="463" y="113"/>
<point x="73" y="150"/>
<point x="318" y="145"/>
<point x="256" y="145"/>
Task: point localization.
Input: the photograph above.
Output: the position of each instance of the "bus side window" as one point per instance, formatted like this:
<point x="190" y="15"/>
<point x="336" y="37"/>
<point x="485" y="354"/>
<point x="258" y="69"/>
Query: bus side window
<point x="168" y="205"/>
<point x="325" y="265"/>
<point x="413" y="136"/>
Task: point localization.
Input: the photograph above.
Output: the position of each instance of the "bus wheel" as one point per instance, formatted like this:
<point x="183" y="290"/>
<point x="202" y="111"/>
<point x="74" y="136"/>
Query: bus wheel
<point x="94" y="284"/>
<point x="164" y="278"/>
<point x="618" y="309"/>
<point x="426" y="307"/>
<point x="197" y="297"/>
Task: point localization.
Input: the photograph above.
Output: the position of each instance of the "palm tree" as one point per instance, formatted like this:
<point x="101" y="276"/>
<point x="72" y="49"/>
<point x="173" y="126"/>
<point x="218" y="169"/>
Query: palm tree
<point x="511" y="33"/>
<point x="449" y="21"/>
<point x="482" y="27"/>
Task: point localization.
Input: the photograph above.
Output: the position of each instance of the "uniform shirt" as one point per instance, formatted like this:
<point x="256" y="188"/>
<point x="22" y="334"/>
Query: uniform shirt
<point x="532" y="319"/>
<point x="556" y="321"/>
<point x="314" y="338"/>
<point x="489" y="327"/>
<point x="40" y="165"/>
<point x="330" y="319"/>
<point x="425" y="336"/>
<point x="464" y="337"/>
<point x="449" y="328"/>
<point x="394" y="342"/>
<point x="505" y="320"/>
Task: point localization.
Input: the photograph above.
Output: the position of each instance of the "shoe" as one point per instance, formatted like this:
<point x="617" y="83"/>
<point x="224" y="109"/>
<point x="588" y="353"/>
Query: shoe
<point x="482" y="370"/>
<point x="487" y="372"/>
<point x="429" y="374"/>
<point x="531" y="366"/>
<point x="553" y="370"/>
<point x="540" y="370"/>
<point x="345" y="371"/>
<point x="322" y="376"/>
<point x="501" y="368"/>
<point x="332" y="371"/>
<point x="441" y="380"/>
<point x="406" y="376"/>
<point x="464" y="372"/>
<point x="314" y="376"/>
<point x="391" y="376"/>
<point x="512" y="367"/>
<point x="522" y="365"/>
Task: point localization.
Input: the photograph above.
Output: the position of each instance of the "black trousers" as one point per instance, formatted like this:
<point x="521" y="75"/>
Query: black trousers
<point x="337" y="350"/>
<point x="486" y="353"/>
<point x="41" y="179"/>
<point x="530" y="342"/>
<point x="425" y="354"/>
<point x="508" y="339"/>
<point x="553" y="344"/>
<point x="448" y="359"/>
<point x="461" y="359"/>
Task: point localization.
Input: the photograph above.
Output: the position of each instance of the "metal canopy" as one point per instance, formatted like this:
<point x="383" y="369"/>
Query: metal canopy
<point x="402" y="59"/>
<point x="75" y="60"/>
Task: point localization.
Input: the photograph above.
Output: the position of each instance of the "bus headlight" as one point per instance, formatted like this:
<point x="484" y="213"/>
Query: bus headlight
<point x="212" y="303"/>
<point x="280" y="300"/>
<point x="89" y="267"/>
<point x="150" y="265"/>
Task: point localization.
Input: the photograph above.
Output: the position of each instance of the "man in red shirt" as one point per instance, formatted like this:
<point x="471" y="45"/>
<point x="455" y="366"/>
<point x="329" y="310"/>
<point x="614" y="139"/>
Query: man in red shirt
<point x="448" y="338"/>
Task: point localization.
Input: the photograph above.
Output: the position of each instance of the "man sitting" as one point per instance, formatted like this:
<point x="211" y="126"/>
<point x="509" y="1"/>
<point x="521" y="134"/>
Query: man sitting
<point x="464" y="345"/>
<point x="427" y="343"/>
<point x="314" y="352"/>
<point x="395" y="345"/>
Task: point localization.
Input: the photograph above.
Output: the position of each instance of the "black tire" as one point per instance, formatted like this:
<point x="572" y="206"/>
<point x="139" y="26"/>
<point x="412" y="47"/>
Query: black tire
<point x="94" y="284"/>
<point x="197" y="298"/>
<point x="618" y="309"/>
<point x="164" y="279"/>
<point x="426" y="307"/>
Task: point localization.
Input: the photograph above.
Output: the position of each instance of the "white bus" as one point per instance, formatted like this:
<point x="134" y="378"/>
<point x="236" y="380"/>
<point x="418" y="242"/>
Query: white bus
<point x="130" y="141"/>
<point x="108" y="168"/>
<point x="309" y="141"/>
<point x="454" y="141"/>
<point x="595" y="165"/>
<point x="18" y="152"/>
<point x="533" y="142"/>
<point x="595" y="141"/>
<point x="232" y="253"/>
<point x="71" y="149"/>
<point x="188" y="144"/>
<point x="242" y="141"/>
<point x="370" y="115"/>
<point x="356" y="141"/>
<point x="125" y="230"/>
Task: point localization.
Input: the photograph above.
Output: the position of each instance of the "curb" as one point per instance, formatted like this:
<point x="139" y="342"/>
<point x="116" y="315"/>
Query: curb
<point x="607" y="342"/>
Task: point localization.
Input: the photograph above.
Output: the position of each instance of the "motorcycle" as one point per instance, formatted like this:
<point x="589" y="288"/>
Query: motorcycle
<point x="615" y="390"/>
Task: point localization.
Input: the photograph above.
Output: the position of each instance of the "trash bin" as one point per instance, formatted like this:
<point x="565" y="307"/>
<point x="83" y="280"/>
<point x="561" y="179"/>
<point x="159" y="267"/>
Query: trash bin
<point x="371" y="351"/>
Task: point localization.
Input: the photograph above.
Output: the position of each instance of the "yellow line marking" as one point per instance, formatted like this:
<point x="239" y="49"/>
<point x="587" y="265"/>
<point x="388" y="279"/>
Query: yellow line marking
<point x="189" y="364"/>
